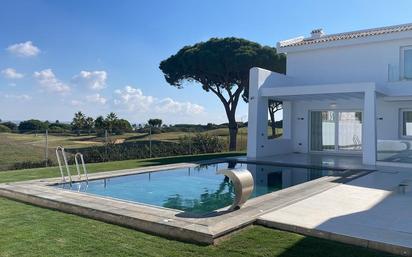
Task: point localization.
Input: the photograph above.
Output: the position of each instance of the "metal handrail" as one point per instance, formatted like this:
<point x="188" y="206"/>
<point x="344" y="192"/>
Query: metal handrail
<point x="83" y="165"/>
<point x="63" y="153"/>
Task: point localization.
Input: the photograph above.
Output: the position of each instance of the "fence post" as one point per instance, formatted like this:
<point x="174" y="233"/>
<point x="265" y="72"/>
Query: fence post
<point x="150" y="142"/>
<point x="46" y="149"/>
<point x="190" y="143"/>
<point x="105" y="144"/>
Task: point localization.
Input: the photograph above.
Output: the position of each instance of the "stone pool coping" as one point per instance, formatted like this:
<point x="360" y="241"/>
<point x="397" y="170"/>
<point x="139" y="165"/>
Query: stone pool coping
<point x="170" y="223"/>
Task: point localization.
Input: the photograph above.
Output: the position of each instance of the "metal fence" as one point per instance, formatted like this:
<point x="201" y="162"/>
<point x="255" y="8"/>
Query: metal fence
<point x="30" y="149"/>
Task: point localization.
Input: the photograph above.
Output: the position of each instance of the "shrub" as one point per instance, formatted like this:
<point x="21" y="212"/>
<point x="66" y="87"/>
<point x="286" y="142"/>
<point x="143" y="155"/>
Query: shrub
<point x="4" y="129"/>
<point x="10" y="125"/>
<point x="141" y="149"/>
<point x="32" y="125"/>
<point x="58" y="129"/>
<point x="31" y="164"/>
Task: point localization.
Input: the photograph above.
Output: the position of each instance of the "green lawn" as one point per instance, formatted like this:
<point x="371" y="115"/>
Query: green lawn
<point x="26" y="230"/>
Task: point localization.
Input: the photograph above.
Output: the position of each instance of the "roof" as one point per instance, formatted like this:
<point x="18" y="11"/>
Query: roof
<point x="299" y="41"/>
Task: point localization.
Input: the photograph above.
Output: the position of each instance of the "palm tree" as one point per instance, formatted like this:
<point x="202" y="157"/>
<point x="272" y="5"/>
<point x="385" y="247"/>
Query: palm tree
<point x="89" y="124"/>
<point x="79" y="122"/>
<point x="111" y="118"/>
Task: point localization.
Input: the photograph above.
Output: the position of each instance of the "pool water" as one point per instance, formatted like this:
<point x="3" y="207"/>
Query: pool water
<point x="195" y="190"/>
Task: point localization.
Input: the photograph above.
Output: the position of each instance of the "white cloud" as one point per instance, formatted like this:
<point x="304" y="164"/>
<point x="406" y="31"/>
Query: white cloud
<point x="96" y="98"/>
<point x="10" y="73"/>
<point x="49" y="82"/>
<point x="95" y="80"/>
<point x="22" y="97"/>
<point x="168" y="105"/>
<point x="76" y="103"/>
<point x="26" y="49"/>
<point x="134" y="100"/>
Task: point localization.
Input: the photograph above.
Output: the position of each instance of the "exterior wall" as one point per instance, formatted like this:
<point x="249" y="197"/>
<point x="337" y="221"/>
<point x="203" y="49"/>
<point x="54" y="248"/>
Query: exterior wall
<point x="346" y="64"/>
<point x="258" y="143"/>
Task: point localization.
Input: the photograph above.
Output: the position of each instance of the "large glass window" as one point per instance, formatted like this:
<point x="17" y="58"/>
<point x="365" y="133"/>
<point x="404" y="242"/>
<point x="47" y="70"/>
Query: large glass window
<point x="322" y="130"/>
<point x="406" y="117"/>
<point x="335" y="131"/>
<point x="407" y="62"/>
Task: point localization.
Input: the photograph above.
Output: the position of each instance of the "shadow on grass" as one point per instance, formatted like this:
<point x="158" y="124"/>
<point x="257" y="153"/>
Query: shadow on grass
<point x="316" y="247"/>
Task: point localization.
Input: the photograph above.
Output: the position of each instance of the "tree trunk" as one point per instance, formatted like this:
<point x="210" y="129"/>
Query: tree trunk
<point x="273" y="123"/>
<point x="233" y="129"/>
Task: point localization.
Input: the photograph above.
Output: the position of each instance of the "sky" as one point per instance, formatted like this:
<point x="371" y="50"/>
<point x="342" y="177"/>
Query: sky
<point x="98" y="56"/>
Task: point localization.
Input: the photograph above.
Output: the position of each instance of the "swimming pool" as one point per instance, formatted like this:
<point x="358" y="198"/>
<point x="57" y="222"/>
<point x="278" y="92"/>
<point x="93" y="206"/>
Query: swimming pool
<point x="197" y="189"/>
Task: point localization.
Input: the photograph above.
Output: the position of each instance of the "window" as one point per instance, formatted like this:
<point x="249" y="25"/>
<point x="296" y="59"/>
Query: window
<point x="275" y="119"/>
<point x="336" y="131"/>
<point x="406" y="118"/>
<point x="406" y="62"/>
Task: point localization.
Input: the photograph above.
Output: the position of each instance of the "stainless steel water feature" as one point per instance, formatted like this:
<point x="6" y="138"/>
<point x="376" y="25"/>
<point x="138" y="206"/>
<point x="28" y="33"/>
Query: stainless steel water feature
<point x="243" y="182"/>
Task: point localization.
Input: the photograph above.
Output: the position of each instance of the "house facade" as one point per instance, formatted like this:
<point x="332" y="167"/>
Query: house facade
<point x="343" y="94"/>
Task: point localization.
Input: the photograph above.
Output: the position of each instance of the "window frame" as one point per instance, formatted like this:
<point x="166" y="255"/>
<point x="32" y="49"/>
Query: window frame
<point x="401" y="120"/>
<point x="402" y="61"/>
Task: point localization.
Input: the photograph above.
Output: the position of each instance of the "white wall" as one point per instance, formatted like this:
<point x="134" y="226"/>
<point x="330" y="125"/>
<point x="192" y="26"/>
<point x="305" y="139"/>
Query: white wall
<point x="345" y="64"/>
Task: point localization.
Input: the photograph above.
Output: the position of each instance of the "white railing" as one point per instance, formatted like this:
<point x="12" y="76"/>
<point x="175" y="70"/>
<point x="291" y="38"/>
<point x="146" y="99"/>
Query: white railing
<point x="395" y="74"/>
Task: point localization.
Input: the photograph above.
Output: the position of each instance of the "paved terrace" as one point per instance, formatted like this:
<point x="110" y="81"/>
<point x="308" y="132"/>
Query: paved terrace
<point x="373" y="211"/>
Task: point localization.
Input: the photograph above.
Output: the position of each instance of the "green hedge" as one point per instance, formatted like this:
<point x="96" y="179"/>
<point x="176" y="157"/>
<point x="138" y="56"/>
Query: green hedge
<point x="198" y="144"/>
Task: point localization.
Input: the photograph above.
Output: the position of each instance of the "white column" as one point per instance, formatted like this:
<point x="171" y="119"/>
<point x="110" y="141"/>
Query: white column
<point x="369" y="128"/>
<point x="258" y="113"/>
<point x="287" y="119"/>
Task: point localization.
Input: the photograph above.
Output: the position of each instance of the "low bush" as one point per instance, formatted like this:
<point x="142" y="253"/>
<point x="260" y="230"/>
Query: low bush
<point x="31" y="164"/>
<point x="4" y="129"/>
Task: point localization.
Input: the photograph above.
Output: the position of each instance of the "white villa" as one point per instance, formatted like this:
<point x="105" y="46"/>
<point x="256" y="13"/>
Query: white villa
<point x="343" y="94"/>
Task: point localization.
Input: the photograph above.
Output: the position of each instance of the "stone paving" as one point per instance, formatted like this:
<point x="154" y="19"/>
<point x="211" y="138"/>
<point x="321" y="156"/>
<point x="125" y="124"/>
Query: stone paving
<point x="373" y="211"/>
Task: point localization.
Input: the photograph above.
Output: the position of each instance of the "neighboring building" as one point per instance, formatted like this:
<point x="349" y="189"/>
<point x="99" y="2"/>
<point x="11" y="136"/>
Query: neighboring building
<point x="347" y="93"/>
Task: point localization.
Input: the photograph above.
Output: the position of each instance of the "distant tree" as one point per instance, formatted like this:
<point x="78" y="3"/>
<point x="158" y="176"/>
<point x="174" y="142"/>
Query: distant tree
<point x="110" y="120"/>
<point x="99" y="123"/>
<point x="32" y="125"/>
<point x="121" y="126"/>
<point x="89" y="124"/>
<point x="11" y="125"/>
<point x="274" y="106"/>
<point x="157" y="123"/>
<point x="221" y="66"/>
<point x="79" y="122"/>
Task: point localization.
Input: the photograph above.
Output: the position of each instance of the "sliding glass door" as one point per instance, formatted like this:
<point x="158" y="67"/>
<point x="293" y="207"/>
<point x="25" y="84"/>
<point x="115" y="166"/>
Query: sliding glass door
<point x="335" y="131"/>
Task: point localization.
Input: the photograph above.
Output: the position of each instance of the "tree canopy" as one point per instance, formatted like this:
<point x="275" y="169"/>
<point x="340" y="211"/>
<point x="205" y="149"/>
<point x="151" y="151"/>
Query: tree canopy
<point x="221" y="66"/>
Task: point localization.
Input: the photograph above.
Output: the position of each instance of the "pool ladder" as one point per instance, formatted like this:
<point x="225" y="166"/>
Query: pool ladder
<point x="60" y="149"/>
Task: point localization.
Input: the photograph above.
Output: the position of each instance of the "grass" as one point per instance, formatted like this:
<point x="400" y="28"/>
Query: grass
<point x="27" y="230"/>
<point x="32" y="231"/>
